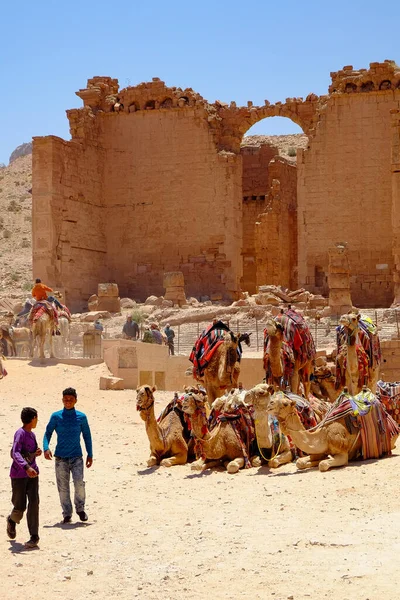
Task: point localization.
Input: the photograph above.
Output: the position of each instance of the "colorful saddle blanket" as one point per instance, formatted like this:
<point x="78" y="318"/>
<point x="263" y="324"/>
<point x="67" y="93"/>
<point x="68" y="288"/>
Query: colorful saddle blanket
<point x="389" y="394"/>
<point x="366" y="414"/>
<point x="40" y="308"/>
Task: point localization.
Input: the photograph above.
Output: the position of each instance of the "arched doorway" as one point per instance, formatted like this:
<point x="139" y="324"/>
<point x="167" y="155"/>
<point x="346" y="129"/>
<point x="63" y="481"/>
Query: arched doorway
<point x="269" y="151"/>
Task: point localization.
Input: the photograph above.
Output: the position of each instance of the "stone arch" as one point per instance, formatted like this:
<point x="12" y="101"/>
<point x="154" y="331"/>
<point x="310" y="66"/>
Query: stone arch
<point x="350" y="88"/>
<point x="167" y="103"/>
<point x="134" y="107"/>
<point x="183" y="101"/>
<point x="385" y="85"/>
<point x="367" y="86"/>
<point x="269" y="203"/>
<point x="150" y="105"/>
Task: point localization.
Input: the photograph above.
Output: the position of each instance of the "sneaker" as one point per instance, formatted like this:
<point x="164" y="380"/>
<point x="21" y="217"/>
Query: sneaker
<point x="82" y="515"/>
<point x="67" y="519"/>
<point x="32" y="543"/>
<point x="11" y="531"/>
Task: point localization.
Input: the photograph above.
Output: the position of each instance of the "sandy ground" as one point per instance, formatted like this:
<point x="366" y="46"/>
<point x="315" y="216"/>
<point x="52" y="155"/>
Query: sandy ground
<point x="170" y="533"/>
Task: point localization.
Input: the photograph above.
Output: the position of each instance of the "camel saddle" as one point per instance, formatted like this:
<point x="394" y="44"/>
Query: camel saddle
<point x="40" y="308"/>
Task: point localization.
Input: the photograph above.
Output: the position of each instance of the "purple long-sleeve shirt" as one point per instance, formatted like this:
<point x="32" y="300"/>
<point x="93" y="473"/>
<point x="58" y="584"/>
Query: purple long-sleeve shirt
<point x="24" y="442"/>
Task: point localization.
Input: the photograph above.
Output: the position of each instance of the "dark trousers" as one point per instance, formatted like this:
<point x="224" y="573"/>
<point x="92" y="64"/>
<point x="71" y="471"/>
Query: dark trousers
<point x="26" y="489"/>
<point x="171" y="347"/>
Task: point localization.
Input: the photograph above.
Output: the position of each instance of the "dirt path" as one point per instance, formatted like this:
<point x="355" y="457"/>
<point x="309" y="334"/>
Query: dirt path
<point x="169" y="533"/>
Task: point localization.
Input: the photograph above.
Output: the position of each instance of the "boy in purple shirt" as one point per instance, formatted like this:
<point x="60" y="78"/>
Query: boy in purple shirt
<point x="24" y="478"/>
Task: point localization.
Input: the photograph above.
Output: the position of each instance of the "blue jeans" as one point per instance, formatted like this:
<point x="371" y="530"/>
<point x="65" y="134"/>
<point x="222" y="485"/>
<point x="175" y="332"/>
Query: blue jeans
<point x="64" y="468"/>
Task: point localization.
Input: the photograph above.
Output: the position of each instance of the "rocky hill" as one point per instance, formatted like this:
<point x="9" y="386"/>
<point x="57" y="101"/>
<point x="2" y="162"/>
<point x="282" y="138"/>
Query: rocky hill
<point x="22" y="150"/>
<point x="16" y="228"/>
<point x="286" y="144"/>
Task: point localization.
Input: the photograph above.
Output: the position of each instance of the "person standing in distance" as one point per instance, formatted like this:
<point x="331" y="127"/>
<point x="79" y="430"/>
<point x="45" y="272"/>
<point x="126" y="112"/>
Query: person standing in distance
<point x="69" y="424"/>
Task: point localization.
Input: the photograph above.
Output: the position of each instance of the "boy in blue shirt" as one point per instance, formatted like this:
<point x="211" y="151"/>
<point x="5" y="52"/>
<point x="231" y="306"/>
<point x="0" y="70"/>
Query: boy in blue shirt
<point x="69" y="424"/>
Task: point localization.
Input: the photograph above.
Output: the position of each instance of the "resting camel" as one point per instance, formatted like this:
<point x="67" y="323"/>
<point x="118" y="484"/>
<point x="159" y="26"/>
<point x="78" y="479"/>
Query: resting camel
<point x="219" y="444"/>
<point x="258" y="397"/>
<point x="167" y="444"/>
<point x="222" y="372"/>
<point x="328" y="446"/>
<point x="63" y="339"/>
<point x="282" y="357"/>
<point x="358" y="367"/>
<point x="42" y="327"/>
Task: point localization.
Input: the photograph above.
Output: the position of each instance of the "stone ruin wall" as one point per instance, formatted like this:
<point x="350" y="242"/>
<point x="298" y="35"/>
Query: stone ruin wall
<point x="344" y="185"/>
<point x="152" y="181"/>
<point x="255" y="187"/>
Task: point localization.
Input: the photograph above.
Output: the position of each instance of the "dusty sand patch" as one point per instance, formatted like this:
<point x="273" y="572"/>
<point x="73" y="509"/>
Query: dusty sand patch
<point x="168" y="533"/>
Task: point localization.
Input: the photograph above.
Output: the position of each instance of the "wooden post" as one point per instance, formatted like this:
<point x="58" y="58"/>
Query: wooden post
<point x="179" y="337"/>
<point x="397" y="323"/>
<point x="316" y="333"/>
<point x="257" y="333"/>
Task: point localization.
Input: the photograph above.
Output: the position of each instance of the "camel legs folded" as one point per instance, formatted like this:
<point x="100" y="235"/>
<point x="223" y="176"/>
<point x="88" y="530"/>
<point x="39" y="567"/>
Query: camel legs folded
<point x="152" y="461"/>
<point x="280" y="459"/>
<point x="177" y="459"/>
<point x="233" y="466"/>
<point x="309" y="461"/>
<point x="338" y="460"/>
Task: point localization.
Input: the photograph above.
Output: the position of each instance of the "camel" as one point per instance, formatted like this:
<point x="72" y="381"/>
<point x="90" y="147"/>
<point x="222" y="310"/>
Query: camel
<point x="22" y="338"/>
<point x="359" y="368"/>
<point x="167" y="444"/>
<point x="222" y="372"/>
<point x="5" y="333"/>
<point x="63" y="339"/>
<point x="41" y="328"/>
<point x="329" y="445"/>
<point x="323" y="384"/>
<point x="258" y="397"/>
<point x="283" y="362"/>
<point x="219" y="444"/>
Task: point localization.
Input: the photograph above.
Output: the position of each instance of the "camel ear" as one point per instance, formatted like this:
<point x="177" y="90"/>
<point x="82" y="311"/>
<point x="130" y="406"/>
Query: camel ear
<point x="154" y="388"/>
<point x="279" y="326"/>
<point x="271" y="389"/>
<point x="292" y="402"/>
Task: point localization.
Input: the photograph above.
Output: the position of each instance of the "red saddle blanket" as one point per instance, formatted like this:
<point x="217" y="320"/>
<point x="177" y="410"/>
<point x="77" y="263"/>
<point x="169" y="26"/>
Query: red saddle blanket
<point x="40" y="308"/>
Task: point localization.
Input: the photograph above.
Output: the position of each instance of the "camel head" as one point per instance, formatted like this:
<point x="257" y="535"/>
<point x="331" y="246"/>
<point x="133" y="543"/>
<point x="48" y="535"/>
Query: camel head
<point x="350" y="322"/>
<point x="274" y="328"/>
<point x="259" y="396"/>
<point x="245" y="337"/>
<point x="281" y="405"/>
<point x="194" y="401"/>
<point x="144" y="399"/>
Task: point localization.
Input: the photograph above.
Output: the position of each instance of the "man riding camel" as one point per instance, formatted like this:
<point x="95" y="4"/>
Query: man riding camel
<point x="39" y="292"/>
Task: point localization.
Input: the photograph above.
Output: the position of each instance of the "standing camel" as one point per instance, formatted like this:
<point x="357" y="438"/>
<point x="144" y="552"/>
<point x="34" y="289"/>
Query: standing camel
<point x="358" y="356"/>
<point x="42" y="327"/>
<point x="216" y="359"/>
<point x="288" y="353"/>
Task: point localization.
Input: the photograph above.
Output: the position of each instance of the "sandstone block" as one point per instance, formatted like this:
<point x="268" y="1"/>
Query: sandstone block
<point x="107" y="289"/>
<point x="94" y="315"/>
<point x="111" y="383"/>
<point x="109" y="303"/>
<point x="127" y="303"/>
<point x="92" y="302"/>
<point x="173" y="279"/>
<point x="339" y="280"/>
<point x="154" y="301"/>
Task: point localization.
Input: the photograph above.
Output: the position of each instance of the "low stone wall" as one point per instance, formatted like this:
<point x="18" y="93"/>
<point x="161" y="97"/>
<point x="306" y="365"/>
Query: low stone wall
<point x="390" y="367"/>
<point x="139" y="364"/>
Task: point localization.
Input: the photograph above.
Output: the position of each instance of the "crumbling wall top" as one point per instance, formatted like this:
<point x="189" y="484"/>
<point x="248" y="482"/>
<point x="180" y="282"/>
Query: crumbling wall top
<point x="379" y="77"/>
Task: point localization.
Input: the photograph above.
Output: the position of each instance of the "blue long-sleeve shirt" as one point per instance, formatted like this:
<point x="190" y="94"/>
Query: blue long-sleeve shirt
<point x="68" y="424"/>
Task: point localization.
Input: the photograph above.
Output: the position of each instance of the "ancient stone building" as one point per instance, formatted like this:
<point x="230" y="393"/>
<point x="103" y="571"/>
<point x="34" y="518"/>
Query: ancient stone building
<point x="154" y="180"/>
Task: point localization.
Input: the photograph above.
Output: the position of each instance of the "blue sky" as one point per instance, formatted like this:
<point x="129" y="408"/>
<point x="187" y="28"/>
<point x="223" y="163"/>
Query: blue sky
<point x="224" y="50"/>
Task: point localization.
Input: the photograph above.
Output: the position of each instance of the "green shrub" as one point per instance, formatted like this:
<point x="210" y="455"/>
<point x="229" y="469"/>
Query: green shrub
<point x="138" y="316"/>
<point x="291" y="151"/>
